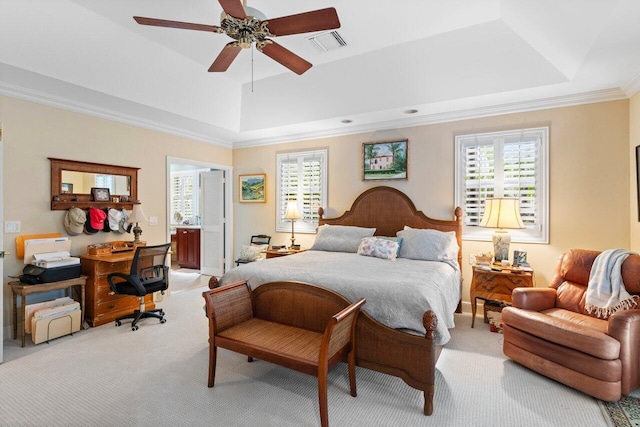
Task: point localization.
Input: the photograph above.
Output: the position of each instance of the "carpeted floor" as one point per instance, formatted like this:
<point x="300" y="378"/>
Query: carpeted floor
<point x="185" y="279"/>
<point x="109" y="376"/>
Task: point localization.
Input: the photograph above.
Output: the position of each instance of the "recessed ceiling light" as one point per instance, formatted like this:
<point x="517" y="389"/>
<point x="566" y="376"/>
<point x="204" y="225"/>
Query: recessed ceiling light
<point x="347" y="121"/>
<point x="410" y="111"/>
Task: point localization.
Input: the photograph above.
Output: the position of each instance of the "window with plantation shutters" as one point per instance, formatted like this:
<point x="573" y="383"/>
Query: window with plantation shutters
<point x="504" y="164"/>
<point x="184" y="196"/>
<point x="302" y="176"/>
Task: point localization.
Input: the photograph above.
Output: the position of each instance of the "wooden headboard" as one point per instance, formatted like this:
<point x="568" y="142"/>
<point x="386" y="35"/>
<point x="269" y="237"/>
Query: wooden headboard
<point x="389" y="210"/>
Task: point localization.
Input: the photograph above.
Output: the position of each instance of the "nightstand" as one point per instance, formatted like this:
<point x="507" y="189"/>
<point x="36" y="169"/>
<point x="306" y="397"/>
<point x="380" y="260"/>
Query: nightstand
<point x="496" y="285"/>
<point x="275" y="253"/>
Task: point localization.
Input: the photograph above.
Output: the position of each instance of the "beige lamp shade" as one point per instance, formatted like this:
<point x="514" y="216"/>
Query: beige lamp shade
<point x="137" y="215"/>
<point x="292" y="210"/>
<point x="503" y="212"/>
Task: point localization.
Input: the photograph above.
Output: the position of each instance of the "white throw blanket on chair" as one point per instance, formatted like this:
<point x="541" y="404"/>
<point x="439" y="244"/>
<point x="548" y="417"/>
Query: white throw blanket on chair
<point x="605" y="291"/>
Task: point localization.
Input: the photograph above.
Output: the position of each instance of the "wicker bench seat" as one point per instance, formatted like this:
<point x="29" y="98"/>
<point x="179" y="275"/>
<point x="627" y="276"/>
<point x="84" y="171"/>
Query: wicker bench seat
<point x="276" y="326"/>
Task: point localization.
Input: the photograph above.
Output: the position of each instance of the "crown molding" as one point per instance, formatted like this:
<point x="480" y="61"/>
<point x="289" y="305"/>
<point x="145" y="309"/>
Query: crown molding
<point x="633" y="86"/>
<point x="448" y="116"/>
<point x="39" y="97"/>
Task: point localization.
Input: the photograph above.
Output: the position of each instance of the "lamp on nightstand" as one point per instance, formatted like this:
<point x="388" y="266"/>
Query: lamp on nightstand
<point x="501" y="213"/>
<point x="136" y="217"/>
<point x="292" y="214"/>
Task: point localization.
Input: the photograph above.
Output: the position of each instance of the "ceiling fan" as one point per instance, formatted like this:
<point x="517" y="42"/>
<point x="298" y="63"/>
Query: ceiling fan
<point x="247" y="25"/>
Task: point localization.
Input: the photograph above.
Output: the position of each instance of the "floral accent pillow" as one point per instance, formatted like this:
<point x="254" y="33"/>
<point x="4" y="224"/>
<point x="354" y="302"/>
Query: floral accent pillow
<point x="378" y="248"/>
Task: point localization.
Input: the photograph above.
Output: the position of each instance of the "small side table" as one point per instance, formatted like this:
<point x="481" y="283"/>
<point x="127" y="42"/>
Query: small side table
<point x="23" y="289"/>
<point x="274" y="253"/>
<point x="496" y="285"/>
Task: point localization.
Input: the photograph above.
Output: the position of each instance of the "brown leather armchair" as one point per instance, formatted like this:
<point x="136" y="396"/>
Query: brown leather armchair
<point x="549" y="331"/>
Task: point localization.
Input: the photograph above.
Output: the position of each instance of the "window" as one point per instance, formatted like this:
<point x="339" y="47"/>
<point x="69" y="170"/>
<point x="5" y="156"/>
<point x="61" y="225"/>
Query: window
<point x="504" y="164"/>
<point x="302" y="176"/>
<point x="105" y="181"/>
<point x="184" y="197"/>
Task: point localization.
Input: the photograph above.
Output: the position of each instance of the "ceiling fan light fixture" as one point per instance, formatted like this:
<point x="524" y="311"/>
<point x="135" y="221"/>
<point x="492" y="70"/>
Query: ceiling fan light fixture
<point x="255" y="13"/>
<point x="245" y="40"/>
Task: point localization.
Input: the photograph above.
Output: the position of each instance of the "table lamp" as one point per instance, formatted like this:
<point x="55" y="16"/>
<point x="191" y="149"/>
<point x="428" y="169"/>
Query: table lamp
<point x="292" y="214"/>
<point x="136" y="217"/>
<point x="501" y="213"/>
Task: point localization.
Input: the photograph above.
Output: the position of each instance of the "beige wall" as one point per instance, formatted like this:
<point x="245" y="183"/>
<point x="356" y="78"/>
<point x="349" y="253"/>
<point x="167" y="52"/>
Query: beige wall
<point x="634" y="140"/>
<point x="34" y="132"/>
<point x="589" y="178"/>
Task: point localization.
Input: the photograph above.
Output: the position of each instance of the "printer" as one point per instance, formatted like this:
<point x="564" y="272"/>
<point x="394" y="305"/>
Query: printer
<point x="49" y="260"/>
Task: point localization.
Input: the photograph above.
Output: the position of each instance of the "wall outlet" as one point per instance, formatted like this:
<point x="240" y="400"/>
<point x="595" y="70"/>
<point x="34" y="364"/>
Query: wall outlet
<point x="472" y="259"/>
<point x="12" y="226"/>
<point x="153" y="220"/>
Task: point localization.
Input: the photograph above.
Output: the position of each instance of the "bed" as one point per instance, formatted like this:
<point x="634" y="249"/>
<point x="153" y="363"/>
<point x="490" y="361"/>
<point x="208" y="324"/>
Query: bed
<point x="405" y="322"/>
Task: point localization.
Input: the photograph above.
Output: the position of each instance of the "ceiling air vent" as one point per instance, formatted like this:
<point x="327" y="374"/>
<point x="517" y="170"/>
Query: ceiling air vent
<point x="327" y="41"/>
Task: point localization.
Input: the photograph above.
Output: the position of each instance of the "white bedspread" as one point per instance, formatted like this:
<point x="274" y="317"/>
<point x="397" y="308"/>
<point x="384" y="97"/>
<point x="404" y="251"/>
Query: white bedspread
<point x="397" y="292"/>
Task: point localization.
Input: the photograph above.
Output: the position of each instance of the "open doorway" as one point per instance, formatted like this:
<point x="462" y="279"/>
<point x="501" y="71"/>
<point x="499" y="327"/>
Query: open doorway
<point x="199" y="216"/>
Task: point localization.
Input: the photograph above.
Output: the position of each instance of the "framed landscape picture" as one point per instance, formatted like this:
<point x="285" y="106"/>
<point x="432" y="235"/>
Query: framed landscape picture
<point x="253" y="188"/>
<point x="384" y="160"/>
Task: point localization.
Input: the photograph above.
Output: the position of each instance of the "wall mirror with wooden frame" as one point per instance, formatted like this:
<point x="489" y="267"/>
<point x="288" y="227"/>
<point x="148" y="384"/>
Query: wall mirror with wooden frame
<point x="72" y="182"/>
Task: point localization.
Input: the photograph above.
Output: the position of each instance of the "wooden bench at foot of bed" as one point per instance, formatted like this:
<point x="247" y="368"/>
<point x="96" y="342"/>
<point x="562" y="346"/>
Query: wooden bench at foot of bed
<point x="378" y="347"/>
<point x="294" y="325"/>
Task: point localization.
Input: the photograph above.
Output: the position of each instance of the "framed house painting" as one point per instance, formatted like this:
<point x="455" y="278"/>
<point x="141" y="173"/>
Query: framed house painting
<point x="384" y="160"/>
<point x="253" y="188"/>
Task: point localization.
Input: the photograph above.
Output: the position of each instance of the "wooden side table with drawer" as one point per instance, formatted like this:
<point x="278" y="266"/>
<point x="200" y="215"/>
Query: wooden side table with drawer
<point x="102" y="304"/>
<point x="275" y="253"/>
<point x="496" y="285"/>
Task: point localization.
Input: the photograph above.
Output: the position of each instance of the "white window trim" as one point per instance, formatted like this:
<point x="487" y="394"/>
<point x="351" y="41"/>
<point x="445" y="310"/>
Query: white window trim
<point x="477" y="233"/>
<point x="300" y="226"/>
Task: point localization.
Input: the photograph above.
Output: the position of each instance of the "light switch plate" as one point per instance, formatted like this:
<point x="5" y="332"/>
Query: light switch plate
<point x="153" y="220"/>
<point x="12" y="226"/>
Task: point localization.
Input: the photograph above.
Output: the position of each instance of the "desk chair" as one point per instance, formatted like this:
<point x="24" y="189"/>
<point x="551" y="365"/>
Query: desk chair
<point x="148" y="274"/>
<point x="257" y="240"/>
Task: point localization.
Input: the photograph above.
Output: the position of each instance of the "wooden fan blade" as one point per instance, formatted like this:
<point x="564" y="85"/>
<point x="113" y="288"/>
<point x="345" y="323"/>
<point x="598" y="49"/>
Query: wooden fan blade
<point x="285" y="57"/>
<point x="225" y="58"/>
<point x="233" y="8"/>
<point x="175" y="24"/>
<point x="317" y="20"/>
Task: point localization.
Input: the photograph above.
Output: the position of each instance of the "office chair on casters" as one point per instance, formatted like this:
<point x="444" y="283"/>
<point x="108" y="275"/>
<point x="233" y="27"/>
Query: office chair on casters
<point x="148" y="274"/>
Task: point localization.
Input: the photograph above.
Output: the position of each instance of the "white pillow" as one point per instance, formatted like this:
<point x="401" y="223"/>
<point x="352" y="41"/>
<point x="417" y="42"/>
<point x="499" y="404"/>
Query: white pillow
<point x="428" y="245"/>
<point x="251" y="252"/>
<point x="340" y="238"/>
<point x="379" y="248"/>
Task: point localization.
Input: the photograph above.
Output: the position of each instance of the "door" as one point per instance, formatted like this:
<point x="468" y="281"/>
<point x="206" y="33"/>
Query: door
<point x="213" y="223"/>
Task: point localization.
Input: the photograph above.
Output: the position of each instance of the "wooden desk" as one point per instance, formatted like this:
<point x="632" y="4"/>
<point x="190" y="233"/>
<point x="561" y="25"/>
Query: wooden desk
<point x="23" y="289"/>
<point x="104" y="305"/>
<point x="496" y="285"/>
